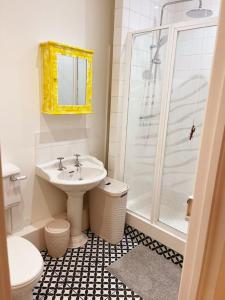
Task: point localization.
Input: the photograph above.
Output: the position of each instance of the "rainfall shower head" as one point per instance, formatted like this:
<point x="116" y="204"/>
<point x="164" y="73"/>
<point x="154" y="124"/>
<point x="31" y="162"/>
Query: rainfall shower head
<point x="199" y="12"/>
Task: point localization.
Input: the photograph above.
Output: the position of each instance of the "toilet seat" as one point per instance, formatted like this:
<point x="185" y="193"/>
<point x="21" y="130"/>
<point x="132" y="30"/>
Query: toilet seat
<point x="25" y="261"/>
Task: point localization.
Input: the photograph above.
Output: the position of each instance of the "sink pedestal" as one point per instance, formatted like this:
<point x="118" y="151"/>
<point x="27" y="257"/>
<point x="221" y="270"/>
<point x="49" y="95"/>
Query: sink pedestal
<point x="67" y="180"/>
<point x="74" y="215"/>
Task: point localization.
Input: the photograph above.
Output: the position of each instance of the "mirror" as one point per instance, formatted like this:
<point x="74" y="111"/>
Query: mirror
<point x="72" y="78"/>
<point x="67" y="79"/>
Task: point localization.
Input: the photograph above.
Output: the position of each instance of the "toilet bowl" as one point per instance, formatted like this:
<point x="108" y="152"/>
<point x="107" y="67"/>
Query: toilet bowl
<point x="25" y="266"/>
<point x="25" y="261"/>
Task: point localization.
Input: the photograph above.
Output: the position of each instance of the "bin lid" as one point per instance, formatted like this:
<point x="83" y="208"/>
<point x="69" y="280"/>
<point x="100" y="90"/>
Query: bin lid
<point x="113" y="187"/>
<point x="57" y="226"/>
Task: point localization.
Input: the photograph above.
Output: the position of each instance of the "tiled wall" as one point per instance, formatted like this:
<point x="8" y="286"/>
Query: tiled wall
<point x="129" y="15"/>
<point x="134" y="15"/>
<point x="49" y="146"/>
<point x="191" y="62"/>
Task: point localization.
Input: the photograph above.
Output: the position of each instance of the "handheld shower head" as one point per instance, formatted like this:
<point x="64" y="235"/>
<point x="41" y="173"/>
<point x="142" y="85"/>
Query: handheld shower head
<point x="162" y="41"/>
<point x="156" y="60"/>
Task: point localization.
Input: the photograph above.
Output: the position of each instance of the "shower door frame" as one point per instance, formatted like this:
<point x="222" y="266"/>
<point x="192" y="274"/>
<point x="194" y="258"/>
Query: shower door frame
<point x="173" y="30"/>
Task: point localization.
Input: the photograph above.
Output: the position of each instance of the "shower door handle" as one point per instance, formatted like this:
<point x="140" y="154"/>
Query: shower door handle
<point x="189" y="208"/>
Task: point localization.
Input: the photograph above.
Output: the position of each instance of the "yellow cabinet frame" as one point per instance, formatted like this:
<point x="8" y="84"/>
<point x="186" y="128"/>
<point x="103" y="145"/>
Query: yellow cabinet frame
<point x="50" y="105"/>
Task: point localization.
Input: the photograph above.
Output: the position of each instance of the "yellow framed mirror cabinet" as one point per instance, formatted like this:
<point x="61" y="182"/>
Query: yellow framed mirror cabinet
<point x="66" y="79"/>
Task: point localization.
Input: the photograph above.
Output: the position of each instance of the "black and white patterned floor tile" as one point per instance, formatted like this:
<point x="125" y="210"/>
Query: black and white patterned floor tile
<point x="154" y="245"/>
<point x="81" y="273"/>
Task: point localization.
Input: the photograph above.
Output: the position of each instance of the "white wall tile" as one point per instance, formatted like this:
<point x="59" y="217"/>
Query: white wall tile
<point x="116" y="104"/>
<point x="118" y="17"/>
<point x="118" y="3"/>
<point x="134" y="20"/>
<point x="114" y="148"/>
<point x="116" y="120"/>
<point x="117" y="88"/>
<point x="135" y="5"/>
<point x="111" y="162"/>
<point x="118" y="71"/>
<point x="111" y="172"/>
<point x="115" y="134"/>
<point x="51" y="151"/>
<point x="126" y="3"/>
<point x="119" y="54"/>
<point x="125" y="18"/>
<point x="117" y="36"/>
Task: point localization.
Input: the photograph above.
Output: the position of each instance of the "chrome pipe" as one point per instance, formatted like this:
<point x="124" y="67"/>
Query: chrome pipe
<point x="171" y="3"/>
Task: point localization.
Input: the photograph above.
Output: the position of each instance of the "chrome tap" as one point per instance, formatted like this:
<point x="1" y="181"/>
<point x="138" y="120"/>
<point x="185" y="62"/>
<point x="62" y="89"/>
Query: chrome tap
<point x="60" y="166"/>
<point x="77" y="163"/>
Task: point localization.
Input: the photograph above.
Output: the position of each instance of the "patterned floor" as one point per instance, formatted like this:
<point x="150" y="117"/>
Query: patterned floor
<point x="81" y="274"/>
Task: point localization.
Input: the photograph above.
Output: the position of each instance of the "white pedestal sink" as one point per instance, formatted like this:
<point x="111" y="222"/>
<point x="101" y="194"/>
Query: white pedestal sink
<point x="74" y="182"/>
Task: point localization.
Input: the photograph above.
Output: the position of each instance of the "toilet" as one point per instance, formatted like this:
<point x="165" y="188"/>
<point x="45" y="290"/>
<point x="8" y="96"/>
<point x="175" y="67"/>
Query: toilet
<point x="25" y="261"/>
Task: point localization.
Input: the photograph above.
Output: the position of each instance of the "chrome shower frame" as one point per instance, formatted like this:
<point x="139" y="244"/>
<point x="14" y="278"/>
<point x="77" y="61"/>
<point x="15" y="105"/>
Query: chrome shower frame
<point x="166" y="234"/>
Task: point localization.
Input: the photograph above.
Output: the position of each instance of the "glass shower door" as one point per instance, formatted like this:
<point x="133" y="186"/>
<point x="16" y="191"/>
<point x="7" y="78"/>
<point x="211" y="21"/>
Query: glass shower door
<point x="149" y="50"/>
<point x="191" y="71"/>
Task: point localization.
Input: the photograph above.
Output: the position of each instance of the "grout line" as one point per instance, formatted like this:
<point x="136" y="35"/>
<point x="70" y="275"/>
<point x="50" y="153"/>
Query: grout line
<point x="93" y="262"/>
<point x="67" y="284"/>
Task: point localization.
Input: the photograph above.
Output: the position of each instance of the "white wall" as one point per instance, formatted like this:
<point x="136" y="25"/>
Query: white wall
<point x="26" y="134"/>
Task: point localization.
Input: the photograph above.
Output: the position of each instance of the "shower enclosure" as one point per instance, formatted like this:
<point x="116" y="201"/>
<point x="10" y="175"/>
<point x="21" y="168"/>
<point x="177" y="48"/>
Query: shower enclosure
<point x="167" y="85"/>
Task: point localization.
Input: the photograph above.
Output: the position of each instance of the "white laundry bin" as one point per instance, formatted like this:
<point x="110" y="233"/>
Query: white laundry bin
<point x="57" y="237"/>
<point x="107" y="209"/>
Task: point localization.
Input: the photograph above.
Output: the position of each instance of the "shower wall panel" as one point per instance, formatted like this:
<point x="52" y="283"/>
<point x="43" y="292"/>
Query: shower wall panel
<point x="168" y="86"/>
<point x="194" y="54"/>
<point x="145" y="95"/>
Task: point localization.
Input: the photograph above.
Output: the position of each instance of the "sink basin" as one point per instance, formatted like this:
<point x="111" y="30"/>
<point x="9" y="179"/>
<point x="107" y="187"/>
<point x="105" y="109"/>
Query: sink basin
<point x="74" y="181"/>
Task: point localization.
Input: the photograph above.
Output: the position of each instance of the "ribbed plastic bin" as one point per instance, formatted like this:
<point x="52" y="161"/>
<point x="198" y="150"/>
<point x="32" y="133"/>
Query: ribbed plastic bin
<point x="57" y="236"/>
<point x="107" y="208"/>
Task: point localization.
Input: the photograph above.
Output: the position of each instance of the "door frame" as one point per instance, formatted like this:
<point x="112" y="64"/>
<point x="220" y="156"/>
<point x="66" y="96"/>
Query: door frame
<point x="5" y="287"/>
<point x="204" y="254"/>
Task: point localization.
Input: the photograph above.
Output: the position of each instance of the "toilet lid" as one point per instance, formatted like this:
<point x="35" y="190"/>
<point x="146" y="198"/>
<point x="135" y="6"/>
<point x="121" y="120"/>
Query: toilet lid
<point x="25" y="261"/>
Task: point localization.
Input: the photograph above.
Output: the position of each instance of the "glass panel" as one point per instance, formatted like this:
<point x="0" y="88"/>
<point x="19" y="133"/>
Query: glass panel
<point x="66" y="67"/>
<point x="81" y="81"/>
<point x="72" y="77"/>
<point x="146" y="78"/>
<point x="192" y="66"/>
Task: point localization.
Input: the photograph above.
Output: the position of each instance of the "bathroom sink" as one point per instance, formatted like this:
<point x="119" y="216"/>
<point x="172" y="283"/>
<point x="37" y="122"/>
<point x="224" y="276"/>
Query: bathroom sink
<point x="74" y="181"/>
<point x="72" y="178"/>
<point x="85" y="179"/>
